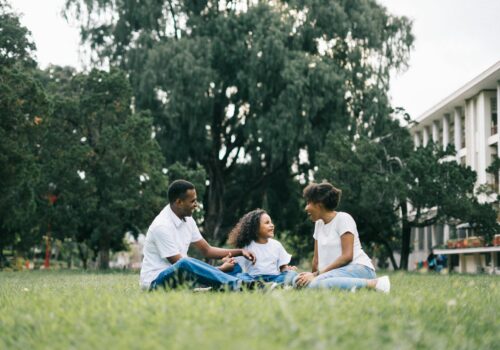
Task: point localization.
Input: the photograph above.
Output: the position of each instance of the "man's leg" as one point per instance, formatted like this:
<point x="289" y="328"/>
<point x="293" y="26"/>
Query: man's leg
<point x="197" y="271"/>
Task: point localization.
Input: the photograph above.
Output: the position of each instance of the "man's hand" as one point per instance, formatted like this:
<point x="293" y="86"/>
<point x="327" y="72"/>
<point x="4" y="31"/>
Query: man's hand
<point x="249" y="256"/>
<point x="289" y="268"/>
<point x="304" y="279"/>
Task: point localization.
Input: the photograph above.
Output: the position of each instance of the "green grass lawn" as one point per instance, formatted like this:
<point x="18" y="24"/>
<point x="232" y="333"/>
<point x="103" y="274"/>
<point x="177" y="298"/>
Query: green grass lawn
<point x="68" y="310"/>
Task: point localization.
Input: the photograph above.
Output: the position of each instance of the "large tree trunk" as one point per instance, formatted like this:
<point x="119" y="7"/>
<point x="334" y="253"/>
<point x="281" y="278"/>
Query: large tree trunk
<point x="214" y="209"/>
<point x="406" y="235"/>
<point x="391" y="255"/>
<point x="83" y="255"/>
<point x="104" y="256"/>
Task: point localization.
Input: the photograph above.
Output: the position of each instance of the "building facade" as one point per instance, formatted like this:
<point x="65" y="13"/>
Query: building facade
<point x="467" y="119"/>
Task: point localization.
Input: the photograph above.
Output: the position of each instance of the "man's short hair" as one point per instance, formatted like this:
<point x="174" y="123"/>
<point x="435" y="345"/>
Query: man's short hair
<point x="178" y="189"/>
<point x="324" y="193"/>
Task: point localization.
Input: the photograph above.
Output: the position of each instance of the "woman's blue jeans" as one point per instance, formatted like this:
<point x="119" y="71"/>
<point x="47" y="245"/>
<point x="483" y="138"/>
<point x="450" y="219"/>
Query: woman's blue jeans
<point x="196" y="271"/>
<point x="352" y="276"/>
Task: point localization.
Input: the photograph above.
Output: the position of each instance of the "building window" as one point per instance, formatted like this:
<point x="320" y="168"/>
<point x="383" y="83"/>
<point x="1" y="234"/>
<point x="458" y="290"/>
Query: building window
<point x="429" y="238"/>
<point x="494" y="177"/>
<point x="439" y="234"/>
<point x="494" y="116"/>
<point x="421" y="238"/>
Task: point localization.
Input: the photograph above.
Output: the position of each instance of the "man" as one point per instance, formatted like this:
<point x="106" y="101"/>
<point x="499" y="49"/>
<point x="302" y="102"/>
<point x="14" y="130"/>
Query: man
<point x="168" y="240"/>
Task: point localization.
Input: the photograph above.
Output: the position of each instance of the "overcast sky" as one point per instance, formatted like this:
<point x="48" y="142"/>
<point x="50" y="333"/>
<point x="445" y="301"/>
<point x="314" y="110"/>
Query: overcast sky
<point x="456" y="40"/>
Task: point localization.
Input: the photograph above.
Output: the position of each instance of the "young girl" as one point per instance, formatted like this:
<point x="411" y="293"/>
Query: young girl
<point x="255" y="232"/>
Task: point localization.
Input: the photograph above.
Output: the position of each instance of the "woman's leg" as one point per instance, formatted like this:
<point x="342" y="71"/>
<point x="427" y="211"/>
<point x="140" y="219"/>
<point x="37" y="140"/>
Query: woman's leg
<point x="347" y="277"/>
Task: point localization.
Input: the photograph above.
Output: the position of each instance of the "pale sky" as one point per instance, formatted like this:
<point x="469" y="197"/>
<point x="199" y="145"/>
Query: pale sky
<point x="456" y="40"/>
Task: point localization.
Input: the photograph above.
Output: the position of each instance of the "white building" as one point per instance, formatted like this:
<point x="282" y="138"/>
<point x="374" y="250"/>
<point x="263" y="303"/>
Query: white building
<point x="467" y="119"/>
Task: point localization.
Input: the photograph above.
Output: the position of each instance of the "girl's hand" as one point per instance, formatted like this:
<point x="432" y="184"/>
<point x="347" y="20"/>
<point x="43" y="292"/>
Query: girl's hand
<point x="229" y="259"/>
<point x="228" y="263"/>
<point x="304" y="279"/>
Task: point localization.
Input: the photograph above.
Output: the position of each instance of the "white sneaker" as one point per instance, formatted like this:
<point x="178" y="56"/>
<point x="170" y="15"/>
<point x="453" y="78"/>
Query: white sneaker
<point x="383" y="284"/>
<point x="202" y="289"/>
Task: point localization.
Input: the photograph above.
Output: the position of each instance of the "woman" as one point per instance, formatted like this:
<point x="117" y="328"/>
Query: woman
<point x="339" y="260"/>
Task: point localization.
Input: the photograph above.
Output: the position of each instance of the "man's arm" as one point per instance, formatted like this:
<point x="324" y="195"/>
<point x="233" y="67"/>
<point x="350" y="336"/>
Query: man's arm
<point x="218" y="253"/>
<point x="174" y="259"/>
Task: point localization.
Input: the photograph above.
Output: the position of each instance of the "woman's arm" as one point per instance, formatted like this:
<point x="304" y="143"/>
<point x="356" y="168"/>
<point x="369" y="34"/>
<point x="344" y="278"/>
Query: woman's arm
<point x="315" y="257"/>
<point x="347" y="242"/>
<point x="306" y="277"/>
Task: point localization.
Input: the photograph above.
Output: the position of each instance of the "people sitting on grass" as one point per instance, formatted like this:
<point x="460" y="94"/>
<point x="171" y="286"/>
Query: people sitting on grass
<point x="255" y="232"/>
<point x="339" y="260"/>
<point x="167" y="242"/>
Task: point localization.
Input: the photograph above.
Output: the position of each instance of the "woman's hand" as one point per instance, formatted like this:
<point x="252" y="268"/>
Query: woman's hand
<point x="304" y="279"/>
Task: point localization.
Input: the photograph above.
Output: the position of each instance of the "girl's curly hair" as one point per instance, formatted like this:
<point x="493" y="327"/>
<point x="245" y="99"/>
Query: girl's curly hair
<point x="247" y="229"/>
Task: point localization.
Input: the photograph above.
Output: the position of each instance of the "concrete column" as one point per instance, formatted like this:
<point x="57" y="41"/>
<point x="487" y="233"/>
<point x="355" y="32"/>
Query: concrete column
<point x="457" y="130"/>
<point x="470" y="132"/>
<point x="482" y="148"/>
<point x="416" y="139"/>
<point x="435" y="131"/>
<point x="446" y="131"/>
<point x="425" y="136"/>
<point x="446" y="233"/>
<point x="498" y="120"/>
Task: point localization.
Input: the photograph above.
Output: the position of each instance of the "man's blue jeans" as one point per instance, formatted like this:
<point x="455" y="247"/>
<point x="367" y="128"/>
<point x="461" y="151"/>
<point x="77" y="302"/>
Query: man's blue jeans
<point x="196" y="271"/>
<point x="285" y="277"/>
<point x="346" y="277"/>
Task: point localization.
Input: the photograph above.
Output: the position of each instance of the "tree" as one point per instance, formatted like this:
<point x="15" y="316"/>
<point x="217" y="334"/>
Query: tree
<point x="23" y="112"/>
<point x="390" y="188"/>
<point x="249" y="85"/>
<point x="100" y="159"/>
<point x="364" y="170"/>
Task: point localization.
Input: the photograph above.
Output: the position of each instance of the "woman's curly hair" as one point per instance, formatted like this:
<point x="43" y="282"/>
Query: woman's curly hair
<point x="247" y="229"/>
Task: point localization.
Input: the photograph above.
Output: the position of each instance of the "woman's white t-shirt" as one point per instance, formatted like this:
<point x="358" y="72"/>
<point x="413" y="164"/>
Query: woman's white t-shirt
<point x="269" y="257"/>
<point x="329" y="245"/>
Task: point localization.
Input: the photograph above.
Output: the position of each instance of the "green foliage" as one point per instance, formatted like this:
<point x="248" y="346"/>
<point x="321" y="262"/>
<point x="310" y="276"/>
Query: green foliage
<point x="243" y="89"/>
<point x="100" y="160"/>
<point x="71" y="309"/>
<point x="381" y="177"/>
<point x="24" y="110"/>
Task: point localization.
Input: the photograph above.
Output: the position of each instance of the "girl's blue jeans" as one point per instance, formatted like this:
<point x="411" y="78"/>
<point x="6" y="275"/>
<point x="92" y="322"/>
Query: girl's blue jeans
<point x="285" y="277"/>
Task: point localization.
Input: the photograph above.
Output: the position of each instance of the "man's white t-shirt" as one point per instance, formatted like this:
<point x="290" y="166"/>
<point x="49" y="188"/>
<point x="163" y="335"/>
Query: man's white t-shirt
<point x="329" y="245"/>
<point x="167" y="236"/>
<point x="269" y="257"/>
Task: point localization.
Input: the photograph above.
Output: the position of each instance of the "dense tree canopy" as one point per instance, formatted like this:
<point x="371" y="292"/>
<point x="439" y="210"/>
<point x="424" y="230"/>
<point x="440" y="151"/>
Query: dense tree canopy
<point x="23" y="109"/>
<point x="250" y="85"/>
<point x="100" y="160"/>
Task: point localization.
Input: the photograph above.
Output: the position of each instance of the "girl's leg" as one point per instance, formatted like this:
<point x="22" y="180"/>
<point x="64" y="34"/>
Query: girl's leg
<point x="285" y="277"/>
